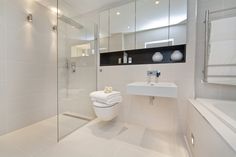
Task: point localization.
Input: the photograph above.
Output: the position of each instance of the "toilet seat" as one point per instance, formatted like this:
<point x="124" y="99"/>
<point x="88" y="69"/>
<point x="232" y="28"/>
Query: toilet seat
<point x="102" y="105"/>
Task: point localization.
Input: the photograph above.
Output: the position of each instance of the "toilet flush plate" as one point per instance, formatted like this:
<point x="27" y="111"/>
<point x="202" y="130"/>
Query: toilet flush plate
<point x="161" y="89"/>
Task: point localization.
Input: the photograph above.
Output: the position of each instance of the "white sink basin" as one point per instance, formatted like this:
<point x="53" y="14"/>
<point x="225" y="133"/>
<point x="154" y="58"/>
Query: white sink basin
<point x="161" y="89"/>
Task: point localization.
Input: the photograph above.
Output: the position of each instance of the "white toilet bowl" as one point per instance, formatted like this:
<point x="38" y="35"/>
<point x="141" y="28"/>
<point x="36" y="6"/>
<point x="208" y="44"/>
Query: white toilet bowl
<point x="106" y="112"/>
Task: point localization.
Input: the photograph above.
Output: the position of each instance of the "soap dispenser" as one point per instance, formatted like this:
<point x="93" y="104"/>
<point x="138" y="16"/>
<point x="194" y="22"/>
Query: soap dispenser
<point x="125" y="58"/>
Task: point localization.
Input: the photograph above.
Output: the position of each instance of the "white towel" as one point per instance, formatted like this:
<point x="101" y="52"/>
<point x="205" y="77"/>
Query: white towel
<point x="223" y="29"/>
<point x="222" y="52"/>
<point x="103" y="95"/>
<point x="108" y="98"/>
<point x="109" y="101"/>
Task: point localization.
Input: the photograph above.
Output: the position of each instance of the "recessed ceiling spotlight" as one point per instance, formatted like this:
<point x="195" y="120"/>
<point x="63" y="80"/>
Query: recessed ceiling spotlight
<point x="128" y="27"/>
<point x="117" y="13"/>
<point x="157" y="2"/>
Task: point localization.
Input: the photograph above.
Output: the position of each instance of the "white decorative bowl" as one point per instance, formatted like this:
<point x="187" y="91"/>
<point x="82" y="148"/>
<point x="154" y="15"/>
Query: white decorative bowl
<point x="157" y="57"/>
<point x="176" y="56"/>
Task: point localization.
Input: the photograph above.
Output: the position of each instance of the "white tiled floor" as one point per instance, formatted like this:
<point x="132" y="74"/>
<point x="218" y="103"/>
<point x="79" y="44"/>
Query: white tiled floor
<point x="96" y="139"/>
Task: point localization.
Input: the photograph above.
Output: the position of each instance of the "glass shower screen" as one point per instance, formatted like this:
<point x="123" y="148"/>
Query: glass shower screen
<point x="76" y="69"/>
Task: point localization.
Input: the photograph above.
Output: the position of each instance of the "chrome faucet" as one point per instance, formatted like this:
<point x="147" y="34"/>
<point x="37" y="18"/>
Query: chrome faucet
<point x="158" y="74"/>
<point x="73" y="67"/>
<point x="153" y="73"/>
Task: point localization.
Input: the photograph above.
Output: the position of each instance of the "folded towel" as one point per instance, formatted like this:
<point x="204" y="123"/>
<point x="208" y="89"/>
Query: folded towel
<point x="103" y="95"/>
<point x="108" y="98"/>
<point x="111" y="101"/>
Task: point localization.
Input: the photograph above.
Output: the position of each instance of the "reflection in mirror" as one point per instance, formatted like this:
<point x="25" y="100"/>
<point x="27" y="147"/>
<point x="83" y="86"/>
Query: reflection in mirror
<point x="122" y="27"/>
<point x="104" y="31"/>
<point x="80" y="50"/>
<point x="143" y="24"/>
<point x="152" y="20"/>
<point x="178" y="22"/>
<point x="220" y="64"/>
<point x="164" y="23"/>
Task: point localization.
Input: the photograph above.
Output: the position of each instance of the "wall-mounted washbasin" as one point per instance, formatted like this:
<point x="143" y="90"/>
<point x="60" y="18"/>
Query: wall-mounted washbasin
<point x="161" y="89"/>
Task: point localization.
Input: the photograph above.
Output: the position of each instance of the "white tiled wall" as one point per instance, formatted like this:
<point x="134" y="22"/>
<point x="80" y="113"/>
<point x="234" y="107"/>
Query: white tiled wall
<point x="2" y="70"/>
<point x="27" y="64"/>
<point x="204" y="89"/>
<point x="165" y="114"/>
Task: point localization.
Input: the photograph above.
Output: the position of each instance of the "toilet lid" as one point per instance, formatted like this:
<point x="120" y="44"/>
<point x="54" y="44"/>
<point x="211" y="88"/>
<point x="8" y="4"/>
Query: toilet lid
<point x="102" y="105"/>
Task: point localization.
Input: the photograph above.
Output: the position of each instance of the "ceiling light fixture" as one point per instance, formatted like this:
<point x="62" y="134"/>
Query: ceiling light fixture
<point x="157" y="2"/>
<point x="128" y="27"/>
<point x="117" y="13"/>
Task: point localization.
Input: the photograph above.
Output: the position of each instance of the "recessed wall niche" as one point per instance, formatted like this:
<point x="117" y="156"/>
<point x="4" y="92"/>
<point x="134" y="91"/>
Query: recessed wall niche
<point x="142" y="56"/>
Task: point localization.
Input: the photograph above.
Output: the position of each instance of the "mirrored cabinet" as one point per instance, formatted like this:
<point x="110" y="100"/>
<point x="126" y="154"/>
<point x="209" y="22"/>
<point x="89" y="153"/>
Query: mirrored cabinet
<point x="142" y="24"/>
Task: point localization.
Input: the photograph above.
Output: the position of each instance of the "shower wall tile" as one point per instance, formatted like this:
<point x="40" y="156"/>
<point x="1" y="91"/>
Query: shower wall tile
<point x="3" y="108"/>
<point x="29" y="109"/>
<point x="28" y="66"/>
<point x="2" y="42"/>
<point x="30" y="78"/>
<point x="2" y="70"/>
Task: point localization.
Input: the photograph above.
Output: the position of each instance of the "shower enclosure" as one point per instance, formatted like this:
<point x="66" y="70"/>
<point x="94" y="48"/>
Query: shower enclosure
<point x="77" y="60"/>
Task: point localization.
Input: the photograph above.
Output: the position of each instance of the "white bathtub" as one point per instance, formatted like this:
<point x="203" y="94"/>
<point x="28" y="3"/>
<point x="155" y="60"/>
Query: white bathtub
<point x="221" y="115"/>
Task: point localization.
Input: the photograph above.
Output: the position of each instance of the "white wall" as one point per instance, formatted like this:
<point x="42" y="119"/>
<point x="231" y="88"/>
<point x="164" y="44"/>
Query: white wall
<point x="27" y="64"/>
<point x="167" y="114"/>
<point x="203" y="89"/>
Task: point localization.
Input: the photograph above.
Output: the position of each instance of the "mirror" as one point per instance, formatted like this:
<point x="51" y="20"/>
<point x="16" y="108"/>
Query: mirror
<point x="220" y="61"/>
<point x="160" y="23"/>
<point x="122" y="27"/>
<point x="143" y="24"/>
<point x="178" y="22"/>
<point x="152" y="20"/>
<point x="104" y="31"/>
<point x="117" y="28"/>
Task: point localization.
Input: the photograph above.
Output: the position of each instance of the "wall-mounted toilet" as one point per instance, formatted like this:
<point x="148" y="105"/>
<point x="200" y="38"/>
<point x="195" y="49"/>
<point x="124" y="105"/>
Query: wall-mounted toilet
<point x="106" y="105"/>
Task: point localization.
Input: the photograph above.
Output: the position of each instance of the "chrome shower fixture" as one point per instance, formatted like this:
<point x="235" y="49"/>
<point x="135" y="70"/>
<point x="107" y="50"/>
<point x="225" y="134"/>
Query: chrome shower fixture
<point x="54" y="28"/>
<point x="29" y="17"/>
